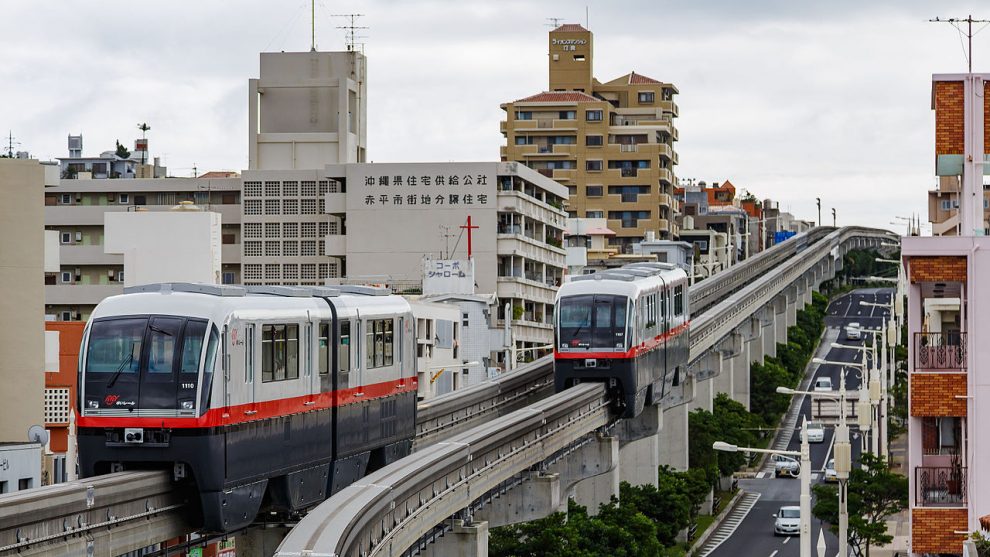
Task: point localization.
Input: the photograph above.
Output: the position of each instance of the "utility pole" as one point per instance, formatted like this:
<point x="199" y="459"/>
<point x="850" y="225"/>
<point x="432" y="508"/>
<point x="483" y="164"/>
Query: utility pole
<point x="144" y="127"/>
<point x="969" y="21"/>
<point x="11" y="143"/>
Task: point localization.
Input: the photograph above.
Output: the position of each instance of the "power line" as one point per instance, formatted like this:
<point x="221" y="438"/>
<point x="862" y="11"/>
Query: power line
<point x="968" y="33"/>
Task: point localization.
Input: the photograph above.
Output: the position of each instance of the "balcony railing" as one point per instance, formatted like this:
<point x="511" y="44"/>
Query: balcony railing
<point x="939" y="351"/>
<point x="940" y="486"/>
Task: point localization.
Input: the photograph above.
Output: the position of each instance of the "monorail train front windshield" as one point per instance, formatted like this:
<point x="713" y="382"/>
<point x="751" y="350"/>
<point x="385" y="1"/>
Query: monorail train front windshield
<point x="593" y="321"/>
<point x="148" y="363"/>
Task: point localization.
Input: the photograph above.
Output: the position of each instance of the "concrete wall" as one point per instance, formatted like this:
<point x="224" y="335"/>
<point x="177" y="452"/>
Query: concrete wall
<point x="173" y="246"/>
<point x="22" y="339"/>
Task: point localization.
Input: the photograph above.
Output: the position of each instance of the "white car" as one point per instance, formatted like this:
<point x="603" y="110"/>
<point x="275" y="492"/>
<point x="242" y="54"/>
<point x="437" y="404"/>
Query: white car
<point x="785" y="465"/>
<point x="787" y="521"/>
<point x="853" y="331"/>
<point x="823" y="384"/>
<point x="816" y="432"/>
<point x="829" y="475"/>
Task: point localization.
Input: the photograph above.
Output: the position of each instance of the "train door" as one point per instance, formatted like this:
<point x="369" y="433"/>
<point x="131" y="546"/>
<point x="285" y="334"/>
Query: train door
<point x="250" y="364"/>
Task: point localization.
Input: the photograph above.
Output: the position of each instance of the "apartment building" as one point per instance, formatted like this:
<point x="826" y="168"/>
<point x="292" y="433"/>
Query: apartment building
<point x="943" y="207"/>
<point x="75" y="210"/>
<point x="611" y="144"/>
<point x="947" y="309"/>
<point x="377" y="222"/>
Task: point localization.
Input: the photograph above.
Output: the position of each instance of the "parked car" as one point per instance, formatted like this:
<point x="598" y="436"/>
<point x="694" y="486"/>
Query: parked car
<point x="785" y="465"/>
<point x="823" y="384"/>
<point x="787" y="521"/>
<point x="816" y="432"/>
<point x="829" y="475"/>
<point x="853" y="331"/>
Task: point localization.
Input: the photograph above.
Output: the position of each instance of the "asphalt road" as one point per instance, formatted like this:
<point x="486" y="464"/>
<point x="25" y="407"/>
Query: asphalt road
<point x="754" y="536"/>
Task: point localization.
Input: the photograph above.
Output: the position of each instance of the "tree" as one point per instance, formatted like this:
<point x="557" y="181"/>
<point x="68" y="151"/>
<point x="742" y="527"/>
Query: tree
<point x="122" y="151"/>
<point x="875" y="493"/>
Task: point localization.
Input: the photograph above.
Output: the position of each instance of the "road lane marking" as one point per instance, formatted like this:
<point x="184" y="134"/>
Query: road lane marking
<point x="787" y="539"/>
<point x="774" y="553"/>
<point x="732" y="521"/>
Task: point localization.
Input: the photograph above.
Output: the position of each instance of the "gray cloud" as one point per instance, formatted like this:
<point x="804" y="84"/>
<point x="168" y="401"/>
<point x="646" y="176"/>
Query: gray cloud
<point x="790" y="100"/>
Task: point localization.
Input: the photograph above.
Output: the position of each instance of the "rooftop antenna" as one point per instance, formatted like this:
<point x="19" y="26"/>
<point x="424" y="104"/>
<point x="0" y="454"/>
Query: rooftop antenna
<point x="587" y="17"/>
<point x="11" y="143"/>
<point x="969" y="21"/>
<point x="554" y="22"/>
<point x="144" y="127"/>
<point x="351" y="29"/>
<point x="312" y="25"/>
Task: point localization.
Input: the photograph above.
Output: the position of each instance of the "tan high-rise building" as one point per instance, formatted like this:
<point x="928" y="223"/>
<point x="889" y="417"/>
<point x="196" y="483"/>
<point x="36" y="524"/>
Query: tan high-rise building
<point x="22" y="337"/>
<point x="611" y="144"/>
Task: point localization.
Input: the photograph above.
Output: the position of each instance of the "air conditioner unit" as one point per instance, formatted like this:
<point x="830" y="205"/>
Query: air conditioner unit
<point x="78" y="273"/>
<point x="78" y="196"/>
<point x="78" y="236"/>
<point x="77" y="316"/>
<point x="110" y="273"/>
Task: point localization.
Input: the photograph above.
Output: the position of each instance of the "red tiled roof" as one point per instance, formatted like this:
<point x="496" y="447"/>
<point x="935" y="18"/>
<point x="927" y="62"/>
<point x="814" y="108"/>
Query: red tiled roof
<point x="635" y="78"/>
<point x="558" y="97"/>
<point x="569" y="28"/>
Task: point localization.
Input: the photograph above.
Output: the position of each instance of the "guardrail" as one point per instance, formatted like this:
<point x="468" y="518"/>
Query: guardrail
<point x="395" y="508"/>
<point x="88" y="508"/>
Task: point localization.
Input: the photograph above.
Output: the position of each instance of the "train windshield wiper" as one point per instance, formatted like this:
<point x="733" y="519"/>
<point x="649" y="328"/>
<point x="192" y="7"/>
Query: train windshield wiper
<point x="159" y="330"/>
<point x="120" y="368"/>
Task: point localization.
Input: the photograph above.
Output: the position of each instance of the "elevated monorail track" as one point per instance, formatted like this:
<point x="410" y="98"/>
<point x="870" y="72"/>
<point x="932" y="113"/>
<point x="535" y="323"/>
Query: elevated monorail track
<point x="509" y="423"/>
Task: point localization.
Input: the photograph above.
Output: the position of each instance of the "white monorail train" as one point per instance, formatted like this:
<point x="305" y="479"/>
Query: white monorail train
<point x="627" y="327"/>
<point x="260" y="397"/>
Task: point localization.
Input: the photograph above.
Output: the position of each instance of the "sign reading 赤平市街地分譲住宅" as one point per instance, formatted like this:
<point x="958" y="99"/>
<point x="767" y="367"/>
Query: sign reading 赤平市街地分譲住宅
<point x="426" y="190"/>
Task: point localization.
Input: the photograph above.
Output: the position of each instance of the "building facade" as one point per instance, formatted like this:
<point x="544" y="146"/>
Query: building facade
<point x="947" y="308"/>
<point x="611" y="144"/>
<point x="307" y="110"/>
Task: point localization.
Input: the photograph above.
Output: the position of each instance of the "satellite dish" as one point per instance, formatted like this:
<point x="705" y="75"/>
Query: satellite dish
<point x="38" y="434"/>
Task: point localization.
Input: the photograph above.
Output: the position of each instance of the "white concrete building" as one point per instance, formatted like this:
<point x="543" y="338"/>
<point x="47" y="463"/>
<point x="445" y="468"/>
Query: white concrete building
<point x="21" y="467"/>
<point x="306" y="110"/>
<point x="439" y="363"/>
<point x="482" y="343"/>
<point x="150" y="255"/>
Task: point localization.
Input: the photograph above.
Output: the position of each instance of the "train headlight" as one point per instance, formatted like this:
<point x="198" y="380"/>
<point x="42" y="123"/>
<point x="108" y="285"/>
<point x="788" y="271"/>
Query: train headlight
<point x="92" y="404"/>
<point x="187" y="405"/>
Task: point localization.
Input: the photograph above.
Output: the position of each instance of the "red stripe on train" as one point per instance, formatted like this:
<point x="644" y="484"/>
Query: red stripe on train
<point x="633" y="352"/>
<point x="243" y="413"/>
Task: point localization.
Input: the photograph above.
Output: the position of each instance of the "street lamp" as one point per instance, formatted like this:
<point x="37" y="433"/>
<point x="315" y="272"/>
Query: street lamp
<point x="843" y="456"/>
<point x="805" y="455"/>
<point x="818" y="200"/>
<point x="833" y="217"/>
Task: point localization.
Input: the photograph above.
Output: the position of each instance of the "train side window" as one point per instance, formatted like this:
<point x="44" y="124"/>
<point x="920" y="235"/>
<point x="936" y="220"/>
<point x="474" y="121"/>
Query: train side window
<point x="679" y="300"/>
<point x="344" y="349"/>
<point x="379" y="343"/>
<point x="369" y="344"/>
<point x="324" y="347"/>
<point x="279" y="352"/>
<point x="388" y="342"/>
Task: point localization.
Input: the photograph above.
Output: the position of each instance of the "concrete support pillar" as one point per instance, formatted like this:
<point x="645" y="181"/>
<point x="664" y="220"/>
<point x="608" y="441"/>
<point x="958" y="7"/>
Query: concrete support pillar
<point x="463" y="540"/>
<point x="729" y="348"/>
<point x="793" y="294"/>
<point x="590" y="474"/>
<point x="768" y="322"/>
<point x="639" y="446"/>
<point x="780" y="318"/>
<point x="531" y="500"/>
<point x="260" y="542"/>
<point x="704" y="395"/>
<point x="809" y="287"/>
<point x="704" y="372"/>
<point x="674" y="437"/>
<point x="740" y="372"/>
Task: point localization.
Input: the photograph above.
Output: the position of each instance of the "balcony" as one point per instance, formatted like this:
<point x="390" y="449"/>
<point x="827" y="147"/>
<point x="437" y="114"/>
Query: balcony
<point x="939" y="352"/>
<point x="941" y="486"/>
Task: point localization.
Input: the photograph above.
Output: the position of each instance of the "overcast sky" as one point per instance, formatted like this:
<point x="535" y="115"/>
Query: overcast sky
<point x="789" y="100"/>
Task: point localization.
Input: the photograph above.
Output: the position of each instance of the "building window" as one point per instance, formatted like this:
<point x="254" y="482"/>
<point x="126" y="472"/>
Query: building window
<point x="65" y="199"/>
<point x="568" y="115"/>
<point x="521" y="140"/>
<point x="66" y="277"/>
<point x="125" y="198"/>
<point x="524" y="115"/>
<point x="646" y="97"/>
<point x="593" y="191"/>
<point x="593" y="115"/>
<point x="140" y="200"/>
<point x="946" y="204"/>
<point x="228" y="277"/>
<point x="594" y="214"/>
<point x="120" y="276"/>
<point x="572" y="190"/>
<point x="579" y="57"/>
<point x="66" y="237"/>
<point x="593" y="166"/>
<point x="594" y="140"/>
<point x="279" y="353"/>
<point x="228" y="238"/>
